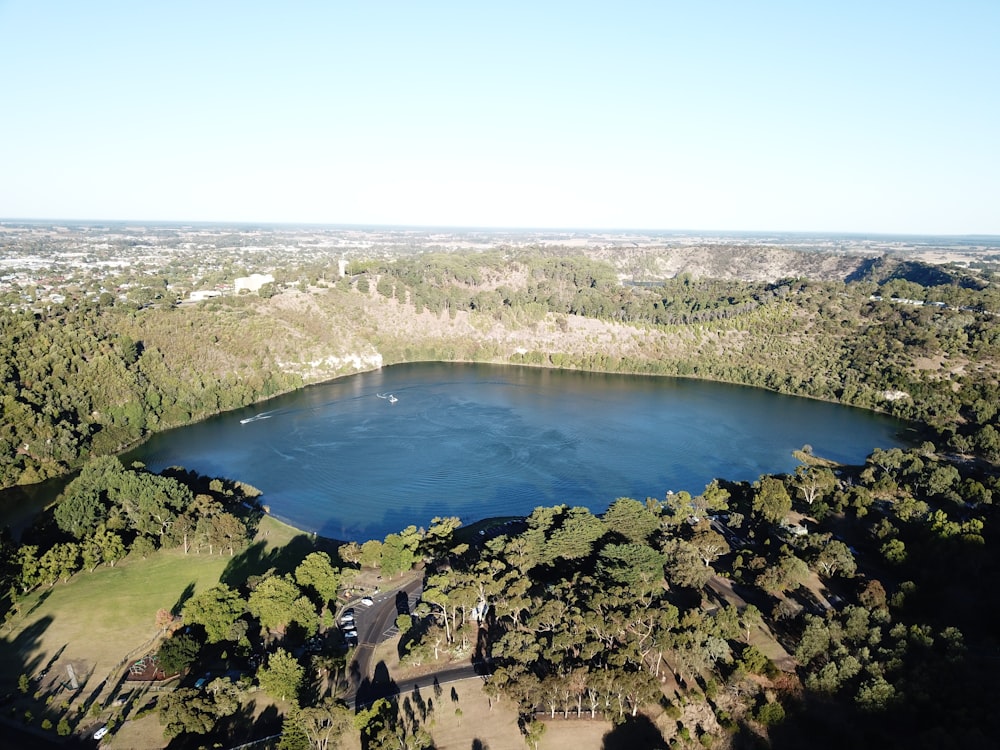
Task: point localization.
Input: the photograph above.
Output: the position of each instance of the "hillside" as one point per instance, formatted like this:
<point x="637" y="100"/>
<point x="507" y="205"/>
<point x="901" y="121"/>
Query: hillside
<point x="95" y="377"/>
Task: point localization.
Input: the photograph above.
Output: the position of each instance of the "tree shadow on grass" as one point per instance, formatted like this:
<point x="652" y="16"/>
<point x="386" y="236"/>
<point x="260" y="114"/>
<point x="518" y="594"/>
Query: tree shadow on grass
<point x="12" y="653"/>
<point x="186" y="594"/>
<point x="257" y="560"/>
<point x="39" y="601"/>
<point x="635" y="732"/>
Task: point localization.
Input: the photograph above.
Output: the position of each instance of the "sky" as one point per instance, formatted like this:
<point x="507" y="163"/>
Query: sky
<point x="871" y="117"/>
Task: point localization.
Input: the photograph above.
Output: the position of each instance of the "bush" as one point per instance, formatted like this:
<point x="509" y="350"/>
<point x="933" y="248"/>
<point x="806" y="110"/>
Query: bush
<point x="46" y="724"/>
<point x="770" y="714"/>
<point x="63" y="729"/>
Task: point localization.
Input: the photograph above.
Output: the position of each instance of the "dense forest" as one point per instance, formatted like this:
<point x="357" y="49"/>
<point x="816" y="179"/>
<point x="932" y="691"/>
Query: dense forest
<point x="834" y="606"/>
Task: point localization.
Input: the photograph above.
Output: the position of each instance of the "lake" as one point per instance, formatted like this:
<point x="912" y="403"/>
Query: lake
<point x="366" y="455"/>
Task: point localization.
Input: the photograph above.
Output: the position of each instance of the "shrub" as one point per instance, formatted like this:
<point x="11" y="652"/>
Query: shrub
<point x="770" y="714"/>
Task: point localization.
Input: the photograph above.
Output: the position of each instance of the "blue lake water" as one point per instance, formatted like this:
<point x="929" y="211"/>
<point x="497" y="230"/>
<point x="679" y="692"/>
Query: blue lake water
<point x="343" y="460"/>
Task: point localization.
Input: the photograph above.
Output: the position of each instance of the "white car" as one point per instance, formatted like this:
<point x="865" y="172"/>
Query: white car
<point x="101" y="732"/>
<point x="368" y="601"/>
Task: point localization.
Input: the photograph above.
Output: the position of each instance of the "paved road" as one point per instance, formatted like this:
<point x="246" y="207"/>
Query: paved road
<point x="377" y="623"/>
<point x="372" y="692"/>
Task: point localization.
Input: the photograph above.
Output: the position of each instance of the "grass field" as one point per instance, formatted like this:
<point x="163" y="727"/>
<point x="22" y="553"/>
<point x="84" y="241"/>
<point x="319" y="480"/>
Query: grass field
<point x="97" y="619"/>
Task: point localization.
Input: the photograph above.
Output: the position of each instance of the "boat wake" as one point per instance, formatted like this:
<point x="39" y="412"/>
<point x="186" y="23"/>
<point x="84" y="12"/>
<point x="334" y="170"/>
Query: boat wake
<point x="256" y="418"/>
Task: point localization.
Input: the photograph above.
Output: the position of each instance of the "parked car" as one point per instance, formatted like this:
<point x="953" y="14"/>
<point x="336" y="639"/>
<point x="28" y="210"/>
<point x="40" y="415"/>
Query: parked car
<point x="368" y="601"/>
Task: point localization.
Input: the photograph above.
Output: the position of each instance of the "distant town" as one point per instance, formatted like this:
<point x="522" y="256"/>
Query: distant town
<point x="55" y="263"/>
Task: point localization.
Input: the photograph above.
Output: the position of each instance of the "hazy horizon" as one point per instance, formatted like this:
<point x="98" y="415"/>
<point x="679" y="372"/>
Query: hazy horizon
<point x="680" y="233"/>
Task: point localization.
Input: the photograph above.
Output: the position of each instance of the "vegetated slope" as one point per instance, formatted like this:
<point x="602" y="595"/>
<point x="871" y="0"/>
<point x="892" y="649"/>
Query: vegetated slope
<point x="94" y="379"/>
<point x="730" y="262"/>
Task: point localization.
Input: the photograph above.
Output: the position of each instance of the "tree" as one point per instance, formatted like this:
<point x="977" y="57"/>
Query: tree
<point x="316" y="572"/>
<point x="814" y="482"/>
<point x="371" y="554"/>
<point x="192" y="711"/>
<point x="277" y="601"/>
<point x="350" y="553"/>
<point x="397" y="555"/>
<point x="787" y="573"/>
<point x="710" y="544"/>
<point x="684" y="565"/>
<point x="59" y="561"/>
<point x="771" y="500"/>
<point x="111" y="545"/>
<point x="293" y="730"/>
<point x="216" y="609"/>
<point x="571" y="535"/>
<point x="533" y="732"/>
<point x="836" y="557"/>
<point x="282" y="677"/>
<point x="631" y="520"/>
<point x="715" y="498"/>
<point x="439" y="539"/>
<point x="633" y="565"/>
<point x="894" y="551"/>
<point x="326" y="722"/>
<point x="177" y="653"/>
<point x="79" y="512"/>
<point x="28" y="563"/>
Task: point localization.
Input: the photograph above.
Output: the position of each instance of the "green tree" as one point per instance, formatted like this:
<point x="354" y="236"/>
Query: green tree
<point x="631" y="520"/>
<point x="282" y="677"/>
<point x="814" y="482"/>
<point x="60" y="561"/>
<point x="277" y="601"/>
<point x="771" y="500"/>
<point x="788" y="573"/>
<point x="326" y="723"/>
<point x="710" y="544"/>
<point x="316" y="572"/>
<point x="177" y="653"/>
<point x="111" y="546"/>
<point x="439" y="539"/>
<point x="684" y="565"/>
<point x="216" y="609"/>
<point x="894" y="551"/>
<point x="293" y="730"/>
<point x="79" y="512"/>
<point x="371" y="554"/>
<point x="397" y="555"/>
<point x="836" y="557"/>
<point x="633" y="565"/>
<point x="192" y="711"/>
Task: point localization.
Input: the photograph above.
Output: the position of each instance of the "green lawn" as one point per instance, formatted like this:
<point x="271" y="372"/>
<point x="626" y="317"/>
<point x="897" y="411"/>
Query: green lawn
<point x="97" y="618"/>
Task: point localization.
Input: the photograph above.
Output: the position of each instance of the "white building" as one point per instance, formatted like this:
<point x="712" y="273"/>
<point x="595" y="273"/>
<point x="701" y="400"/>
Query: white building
<point x="253" y="282"/>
